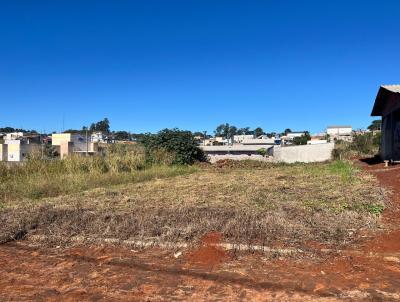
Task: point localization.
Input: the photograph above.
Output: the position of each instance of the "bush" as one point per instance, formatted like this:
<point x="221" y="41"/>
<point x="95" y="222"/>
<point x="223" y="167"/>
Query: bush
<point x="302" y="140"/>
<point x="176" y="146"/>
<point x="362" y="145"/>
<point x="262" y="151"/>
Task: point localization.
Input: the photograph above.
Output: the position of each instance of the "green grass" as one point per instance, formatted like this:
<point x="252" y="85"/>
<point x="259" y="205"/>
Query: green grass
<point x="344" y="169"/>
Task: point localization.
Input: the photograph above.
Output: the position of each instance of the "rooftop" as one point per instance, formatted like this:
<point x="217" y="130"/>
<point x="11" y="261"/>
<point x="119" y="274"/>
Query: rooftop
<point x="392" y="88"/>
<point x="336" y="126"/>
<point x="386" y="100"/>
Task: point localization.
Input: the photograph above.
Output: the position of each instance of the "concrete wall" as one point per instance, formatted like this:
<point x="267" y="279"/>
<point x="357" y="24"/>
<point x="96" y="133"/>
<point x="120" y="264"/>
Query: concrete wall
<point x="66" y="149"/>
<point x="213" y="158"/>
<point x="3" y="152"/>
<point x="304" y="153"/>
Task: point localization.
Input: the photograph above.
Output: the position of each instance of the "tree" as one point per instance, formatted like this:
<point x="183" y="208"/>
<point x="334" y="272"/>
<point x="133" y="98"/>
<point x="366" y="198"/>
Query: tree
<point x="258" y="132"/>
<point x="103" y="126"/>
<point x="122" y="136"/>
<point x="244" y="131"/>
<point x="287" y="130"/>
<point x="225" y="130"/>
<point x="375" y="125"/>
<point x="181" y="144"/>
<point x="302" y="140"/>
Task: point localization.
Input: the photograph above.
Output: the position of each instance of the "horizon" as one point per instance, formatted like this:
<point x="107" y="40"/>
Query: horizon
<point x="156" y="65"/>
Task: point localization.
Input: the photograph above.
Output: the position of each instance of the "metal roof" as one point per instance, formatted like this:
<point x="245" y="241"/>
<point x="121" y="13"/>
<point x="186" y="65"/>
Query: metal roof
<point x="388" y="95"/>
<point x="392" y="88"/>
<point x="330" y="127"/>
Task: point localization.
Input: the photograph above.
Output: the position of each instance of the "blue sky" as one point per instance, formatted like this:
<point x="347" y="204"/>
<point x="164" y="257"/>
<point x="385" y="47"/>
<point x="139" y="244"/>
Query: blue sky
<point x="148" y="65"/>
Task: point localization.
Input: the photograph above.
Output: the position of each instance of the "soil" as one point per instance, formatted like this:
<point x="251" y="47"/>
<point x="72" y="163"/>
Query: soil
<point x="369" y="270"/>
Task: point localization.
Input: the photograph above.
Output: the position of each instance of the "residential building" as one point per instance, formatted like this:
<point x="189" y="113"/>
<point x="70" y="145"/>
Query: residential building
<point x="290" y="136"/>
<point x="69" y="143"/>
<point x="58" y="138"/>
<point x="344" y="133"/>
<point x="98" y="137"/>
<point x="13" y="135"/>
<point x="18" y="150"/>
<point x="261" y="140"/>
<point x="387" y="105"/>
<point x="240" y="138"/>
<point x="215" y="141"/>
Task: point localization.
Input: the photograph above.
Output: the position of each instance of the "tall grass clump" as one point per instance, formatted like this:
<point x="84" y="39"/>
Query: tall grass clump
<point x="37" y="178"/>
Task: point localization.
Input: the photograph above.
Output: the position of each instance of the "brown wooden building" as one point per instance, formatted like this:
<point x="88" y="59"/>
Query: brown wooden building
<point x="387" y="105"/>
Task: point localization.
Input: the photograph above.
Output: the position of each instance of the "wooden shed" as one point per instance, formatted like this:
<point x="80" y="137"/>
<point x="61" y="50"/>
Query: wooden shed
<point x="387" y="105"/>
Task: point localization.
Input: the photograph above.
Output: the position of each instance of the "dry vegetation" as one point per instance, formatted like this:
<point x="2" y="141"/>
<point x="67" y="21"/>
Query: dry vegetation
<point x="39" y="178"/>
<point x="248" y="202"/>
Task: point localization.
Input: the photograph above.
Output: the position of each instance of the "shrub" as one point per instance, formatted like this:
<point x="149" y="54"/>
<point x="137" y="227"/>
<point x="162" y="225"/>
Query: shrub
<point x="362" y="145"/>
<point x="262" y="151"/>
<point x="176" y="145"/>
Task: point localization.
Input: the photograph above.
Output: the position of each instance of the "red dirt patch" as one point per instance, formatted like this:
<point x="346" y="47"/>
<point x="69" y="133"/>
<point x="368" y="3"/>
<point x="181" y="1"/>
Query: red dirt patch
<point x="209" y="254"/>
<point x="388" y="242"/>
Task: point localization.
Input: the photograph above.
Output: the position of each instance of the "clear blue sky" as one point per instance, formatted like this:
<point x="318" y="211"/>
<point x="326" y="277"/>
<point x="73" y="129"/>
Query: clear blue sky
<point x="148" y="65"/>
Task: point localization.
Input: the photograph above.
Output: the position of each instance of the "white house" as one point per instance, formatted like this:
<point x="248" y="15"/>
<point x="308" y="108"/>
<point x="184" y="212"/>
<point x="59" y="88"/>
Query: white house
<point x="261" y="140"/>
<point x="98" y="137"/>
<point x="340" y="132"/>
<point x="240" y="138"/>
<point x="18" y="150"/>
<point x="13" y="135"/>
<point x="292" y="135"/>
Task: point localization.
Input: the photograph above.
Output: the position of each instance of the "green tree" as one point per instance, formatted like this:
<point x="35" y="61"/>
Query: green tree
<point x="258" y="132"/>
<point x="226" y="130"/>
<point x="180" y="143"/>
<point x="122" y="135"/>
<point x="103" y="126"/>
<point x="375" y="125"/>
<point x="302" y="140"/>
<point x="287" y="130"/>
<point x="244" y="131"/>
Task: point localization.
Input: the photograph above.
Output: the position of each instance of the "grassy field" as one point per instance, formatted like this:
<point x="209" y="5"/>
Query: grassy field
<point x="248" y="202"/>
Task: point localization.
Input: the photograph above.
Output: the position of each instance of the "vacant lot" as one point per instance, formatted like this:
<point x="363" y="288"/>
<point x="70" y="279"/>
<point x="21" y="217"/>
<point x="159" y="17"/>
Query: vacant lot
<point x="248" y="203"/>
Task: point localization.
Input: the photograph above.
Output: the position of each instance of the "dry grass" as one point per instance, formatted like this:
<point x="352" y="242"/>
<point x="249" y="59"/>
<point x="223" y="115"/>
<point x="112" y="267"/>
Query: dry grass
<point x="37" y="178"/>
<point x="254" y="203"/>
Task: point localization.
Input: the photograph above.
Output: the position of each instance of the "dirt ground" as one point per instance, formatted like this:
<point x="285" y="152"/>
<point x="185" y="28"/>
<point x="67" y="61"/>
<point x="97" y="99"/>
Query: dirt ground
<point x="369" y="270"/>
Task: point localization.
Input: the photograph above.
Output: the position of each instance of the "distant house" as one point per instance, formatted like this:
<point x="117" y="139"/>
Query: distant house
<point x="18" y="147"/>
<point x="13" y="135"/>
<point x="215" y="141"/>
<point x="261" y="140"/>
<point x="68" y="143"/>
<point x="387" y="105"/>
<point x="290" y="136"/>
<point x="241" y="137"/>
<point x="16" y="150"/>
<point x="340" y="132"/>
<point x="99" y="137"/>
